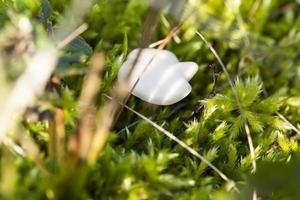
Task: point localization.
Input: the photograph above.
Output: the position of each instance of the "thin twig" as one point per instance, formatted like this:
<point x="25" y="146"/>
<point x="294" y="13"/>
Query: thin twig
<point x="168" y="26"/>
<point x="157" y="43"/>
<point x="235" y="94"/>
<point x="290" y="124"/>
<point x="130" y="126"/>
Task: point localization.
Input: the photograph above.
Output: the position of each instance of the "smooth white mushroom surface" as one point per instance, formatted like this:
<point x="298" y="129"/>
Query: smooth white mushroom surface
<point x="164" y="80"/>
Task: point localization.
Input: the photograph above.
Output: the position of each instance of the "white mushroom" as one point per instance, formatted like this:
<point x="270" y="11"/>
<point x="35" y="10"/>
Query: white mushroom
<point x="165" y="80"/>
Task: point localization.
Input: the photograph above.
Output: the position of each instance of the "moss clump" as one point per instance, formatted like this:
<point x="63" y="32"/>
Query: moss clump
<point x="257" y="40"/>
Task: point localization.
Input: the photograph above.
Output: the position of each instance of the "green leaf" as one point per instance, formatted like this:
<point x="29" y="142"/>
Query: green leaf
<point x="46" y="9"/>
<point x="79" y="45"/>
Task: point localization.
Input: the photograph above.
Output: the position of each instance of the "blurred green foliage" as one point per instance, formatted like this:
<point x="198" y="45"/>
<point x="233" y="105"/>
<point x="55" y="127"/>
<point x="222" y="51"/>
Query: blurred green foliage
<point x="259" y="40"/>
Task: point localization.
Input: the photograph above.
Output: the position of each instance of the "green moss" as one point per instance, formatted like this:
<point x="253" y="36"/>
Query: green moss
<point x="257" y="40"/>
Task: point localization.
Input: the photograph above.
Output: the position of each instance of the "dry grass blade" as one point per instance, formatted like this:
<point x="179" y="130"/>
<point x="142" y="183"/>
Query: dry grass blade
<point x="290" y="124"/>
<point x="81" y="141"/>
<point x="57" y="135"/>
<point x="130" y="125"/>
<point x="72" y="36"/>
<point x="105" y="119"/>
<point x="247" y="130"/>
<point x="181" y="143"/>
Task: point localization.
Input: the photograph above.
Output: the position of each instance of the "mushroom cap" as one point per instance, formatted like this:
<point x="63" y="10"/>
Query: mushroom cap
<point x="162" y="79"/>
